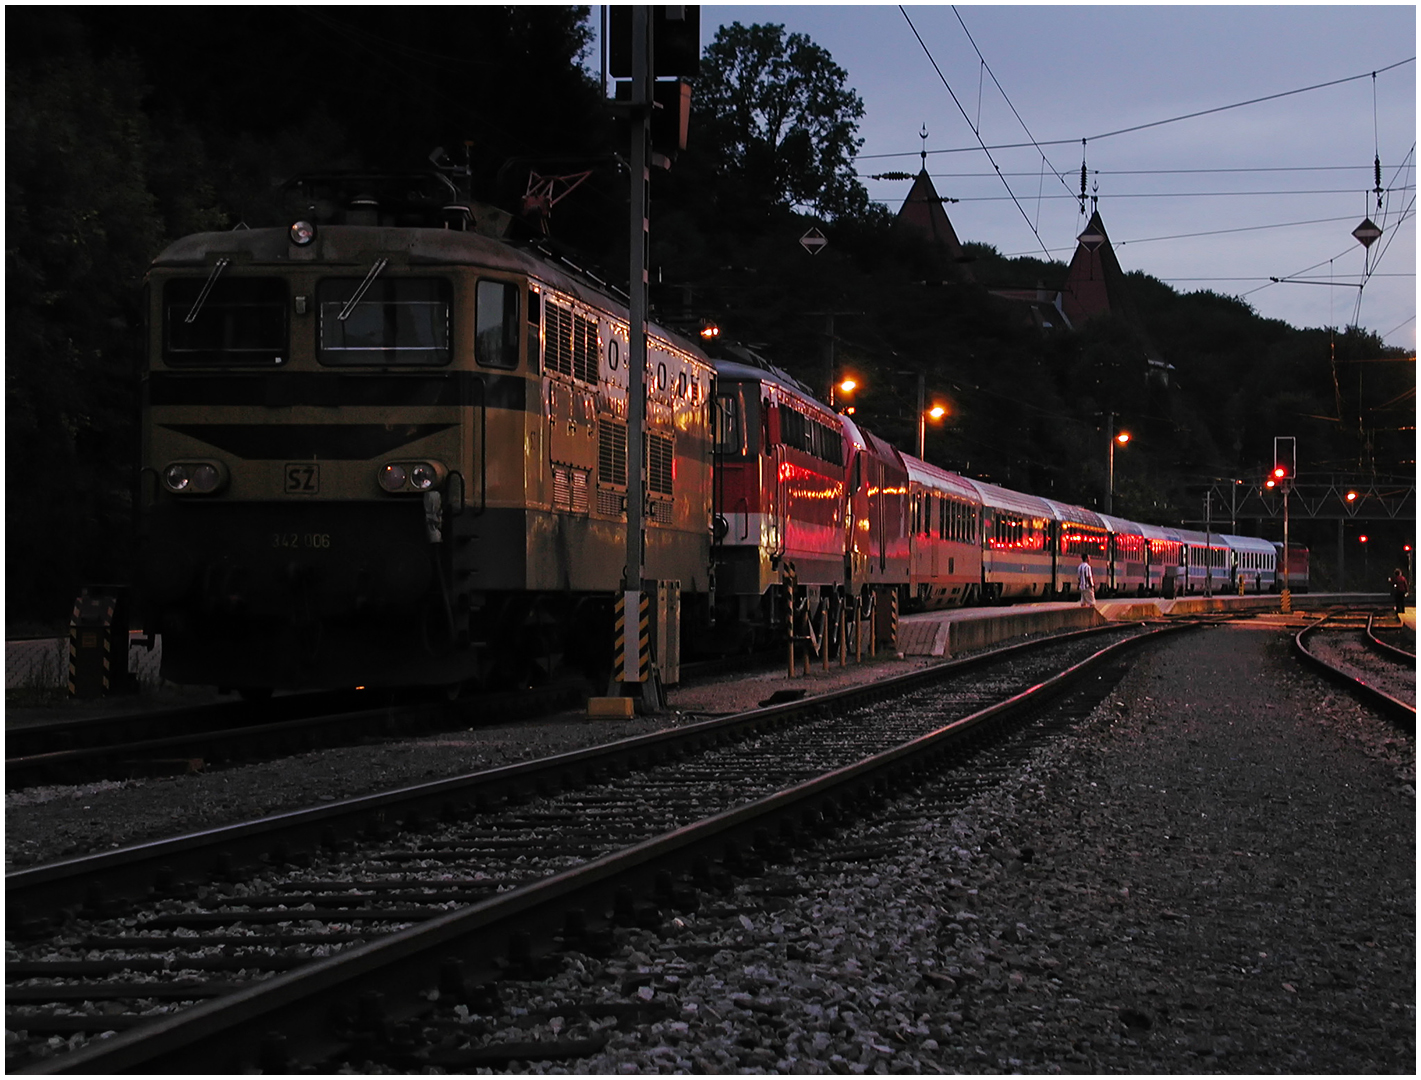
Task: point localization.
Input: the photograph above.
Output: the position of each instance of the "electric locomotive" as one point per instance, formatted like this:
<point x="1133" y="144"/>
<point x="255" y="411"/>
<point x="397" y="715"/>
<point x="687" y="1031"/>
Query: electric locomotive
<point x="381" y="447"/>
<point x="809" y="507"/>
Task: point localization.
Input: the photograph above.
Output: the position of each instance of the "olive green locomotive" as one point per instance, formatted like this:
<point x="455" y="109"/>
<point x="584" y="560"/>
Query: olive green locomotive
<point x="381" y="448"/>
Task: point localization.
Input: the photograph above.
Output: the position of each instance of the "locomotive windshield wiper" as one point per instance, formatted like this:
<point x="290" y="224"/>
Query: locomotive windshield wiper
<point x="207" y="288"/>
<point x="380" y="264"/>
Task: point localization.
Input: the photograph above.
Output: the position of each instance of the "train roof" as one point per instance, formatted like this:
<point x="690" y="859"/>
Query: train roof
<point x="1248" y="543"/>
<point x="1160" y="532"/>
<point x="1122" y="526"/>
<point x="1077" y="514"/>
<point x="1196" y="536"/>
<point x="930" y="475"/>
<point x="358" y="246"/>
<point x="739" y="362"/>
<point x="1006" y="499"/>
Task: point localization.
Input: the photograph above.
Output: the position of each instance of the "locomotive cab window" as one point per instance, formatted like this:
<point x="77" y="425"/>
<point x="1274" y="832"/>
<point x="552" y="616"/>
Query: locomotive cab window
<point x="396" y="322"/>
<point x="729" y="425"/>
<point x="496" y="324"/>
<point x="224" y="320"/>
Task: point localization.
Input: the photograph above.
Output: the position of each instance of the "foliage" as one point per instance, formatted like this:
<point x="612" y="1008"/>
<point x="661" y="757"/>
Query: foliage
<point x="777" y="124"/>
<point x="82" y="221"/>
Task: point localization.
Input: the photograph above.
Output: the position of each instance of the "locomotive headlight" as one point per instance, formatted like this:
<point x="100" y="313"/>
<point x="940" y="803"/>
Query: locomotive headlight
<point x="392" y="478"/>
<point x="177" y="477"/>
<point x="205" y="478"/>
<point x="302" y="233"/>
<point x="194" y="477"/>
<point x="411" y="477"/>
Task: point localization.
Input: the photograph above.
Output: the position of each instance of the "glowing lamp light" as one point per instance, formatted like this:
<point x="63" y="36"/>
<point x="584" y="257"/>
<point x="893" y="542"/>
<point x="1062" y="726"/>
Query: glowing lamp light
<point x="1351" y="496"/>
<point x="1363" y="538"/>
<point x="1123" y="438"/>
<point x="1280" y="472"/>
<point x="937" y="412"/>
<point x="709" y="331"/>
<point x="848" y="386"/>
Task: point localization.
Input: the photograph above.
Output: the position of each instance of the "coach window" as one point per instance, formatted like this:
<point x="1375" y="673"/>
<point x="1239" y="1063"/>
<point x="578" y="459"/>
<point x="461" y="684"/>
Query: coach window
<point x="388" y="322"/>
<point x="729" y="425"/>
<point x="223" y="320"/>
<point x="496" y="324"/>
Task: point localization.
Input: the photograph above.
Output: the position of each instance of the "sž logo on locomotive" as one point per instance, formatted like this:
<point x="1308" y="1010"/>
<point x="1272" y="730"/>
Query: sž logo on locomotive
<point x="303" y="478"/>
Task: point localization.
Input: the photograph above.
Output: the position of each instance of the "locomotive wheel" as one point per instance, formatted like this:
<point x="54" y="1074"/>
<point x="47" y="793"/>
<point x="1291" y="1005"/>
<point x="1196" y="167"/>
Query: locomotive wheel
<point x="526" y="644"/>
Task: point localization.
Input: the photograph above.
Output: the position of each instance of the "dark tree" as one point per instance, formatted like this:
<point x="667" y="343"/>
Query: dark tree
<point x="776" y="117"/>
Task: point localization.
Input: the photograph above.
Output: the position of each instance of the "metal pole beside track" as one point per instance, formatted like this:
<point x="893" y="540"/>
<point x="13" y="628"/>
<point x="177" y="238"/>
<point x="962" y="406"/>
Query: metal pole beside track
<point x="1287" y="593"/>
<point x="636" y="330"/>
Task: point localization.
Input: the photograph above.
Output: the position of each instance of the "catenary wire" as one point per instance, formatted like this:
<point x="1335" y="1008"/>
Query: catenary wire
<point x="927" y="52"/>
<point x="1037" y="144"/>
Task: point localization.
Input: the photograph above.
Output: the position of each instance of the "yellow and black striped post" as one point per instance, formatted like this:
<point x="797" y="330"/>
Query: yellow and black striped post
<point x="619" y="651"/>
<point x="893" y="621"/>
<point x="635" y="667"/>
<point x="90" y="646"/>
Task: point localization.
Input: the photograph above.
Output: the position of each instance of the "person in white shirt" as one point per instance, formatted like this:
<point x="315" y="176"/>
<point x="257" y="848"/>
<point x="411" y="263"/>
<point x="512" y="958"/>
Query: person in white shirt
<point x="1086" y="580"/>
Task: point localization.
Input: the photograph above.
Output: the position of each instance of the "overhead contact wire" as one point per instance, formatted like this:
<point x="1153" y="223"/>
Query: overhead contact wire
<point x="1022" y="210"/>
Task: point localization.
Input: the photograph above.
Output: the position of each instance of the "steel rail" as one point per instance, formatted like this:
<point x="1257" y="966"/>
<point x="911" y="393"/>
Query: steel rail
<point x="133" y="872"/>
<point x="263" y="1025"/>
<point x="1386" y="648"/>
<point x="308" y="718"/>
<point x="1373" y="696"/>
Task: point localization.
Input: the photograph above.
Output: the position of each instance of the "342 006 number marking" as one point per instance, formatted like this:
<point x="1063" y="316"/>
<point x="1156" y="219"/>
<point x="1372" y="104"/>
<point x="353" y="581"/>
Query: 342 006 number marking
<point x="320" y="541"/>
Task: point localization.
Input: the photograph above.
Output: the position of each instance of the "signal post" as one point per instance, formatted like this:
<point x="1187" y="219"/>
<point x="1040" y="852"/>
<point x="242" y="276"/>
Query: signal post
<point x="634" y="54"/>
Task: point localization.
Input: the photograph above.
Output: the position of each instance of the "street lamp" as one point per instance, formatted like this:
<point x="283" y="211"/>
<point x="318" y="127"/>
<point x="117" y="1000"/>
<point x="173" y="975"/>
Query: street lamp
<point x="937" y="412"/>
<point x="1122" y="438"/>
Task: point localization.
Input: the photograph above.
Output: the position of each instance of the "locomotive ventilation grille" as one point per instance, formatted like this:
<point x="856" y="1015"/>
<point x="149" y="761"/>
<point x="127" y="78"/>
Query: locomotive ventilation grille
<point x="570" y="489"/>
<point x="572" y="344"/>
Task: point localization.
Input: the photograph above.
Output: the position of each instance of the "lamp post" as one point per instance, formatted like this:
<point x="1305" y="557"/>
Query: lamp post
<point x="922" y="418"/>
<point x="1122" y="438"/>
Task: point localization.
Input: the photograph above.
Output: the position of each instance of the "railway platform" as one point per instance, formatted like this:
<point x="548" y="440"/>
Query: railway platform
<point x="948" y="633"/>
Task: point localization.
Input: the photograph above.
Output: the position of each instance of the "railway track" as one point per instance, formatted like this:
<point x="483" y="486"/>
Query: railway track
<point x="1344" y="646"/>
<point x="163" y="741"/>
<point x="233" y="946"/>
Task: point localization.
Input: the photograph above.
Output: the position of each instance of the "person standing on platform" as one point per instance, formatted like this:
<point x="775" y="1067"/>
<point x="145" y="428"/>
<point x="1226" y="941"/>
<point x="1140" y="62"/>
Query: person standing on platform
<point x="1086" y="580"/>
<point x="1397" y="581"/>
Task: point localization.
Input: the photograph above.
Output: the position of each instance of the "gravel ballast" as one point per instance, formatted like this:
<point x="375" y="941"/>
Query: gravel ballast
<point x="1214" y="872"/>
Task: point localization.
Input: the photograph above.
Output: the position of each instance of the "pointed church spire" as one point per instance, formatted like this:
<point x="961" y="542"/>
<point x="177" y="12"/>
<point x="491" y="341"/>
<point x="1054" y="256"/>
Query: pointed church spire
<point x="1095" y="283"/>
<point x="923" y="209"/>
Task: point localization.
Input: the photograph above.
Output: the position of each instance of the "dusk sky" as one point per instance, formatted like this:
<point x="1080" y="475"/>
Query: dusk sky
<point x="1223" y="201"/>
